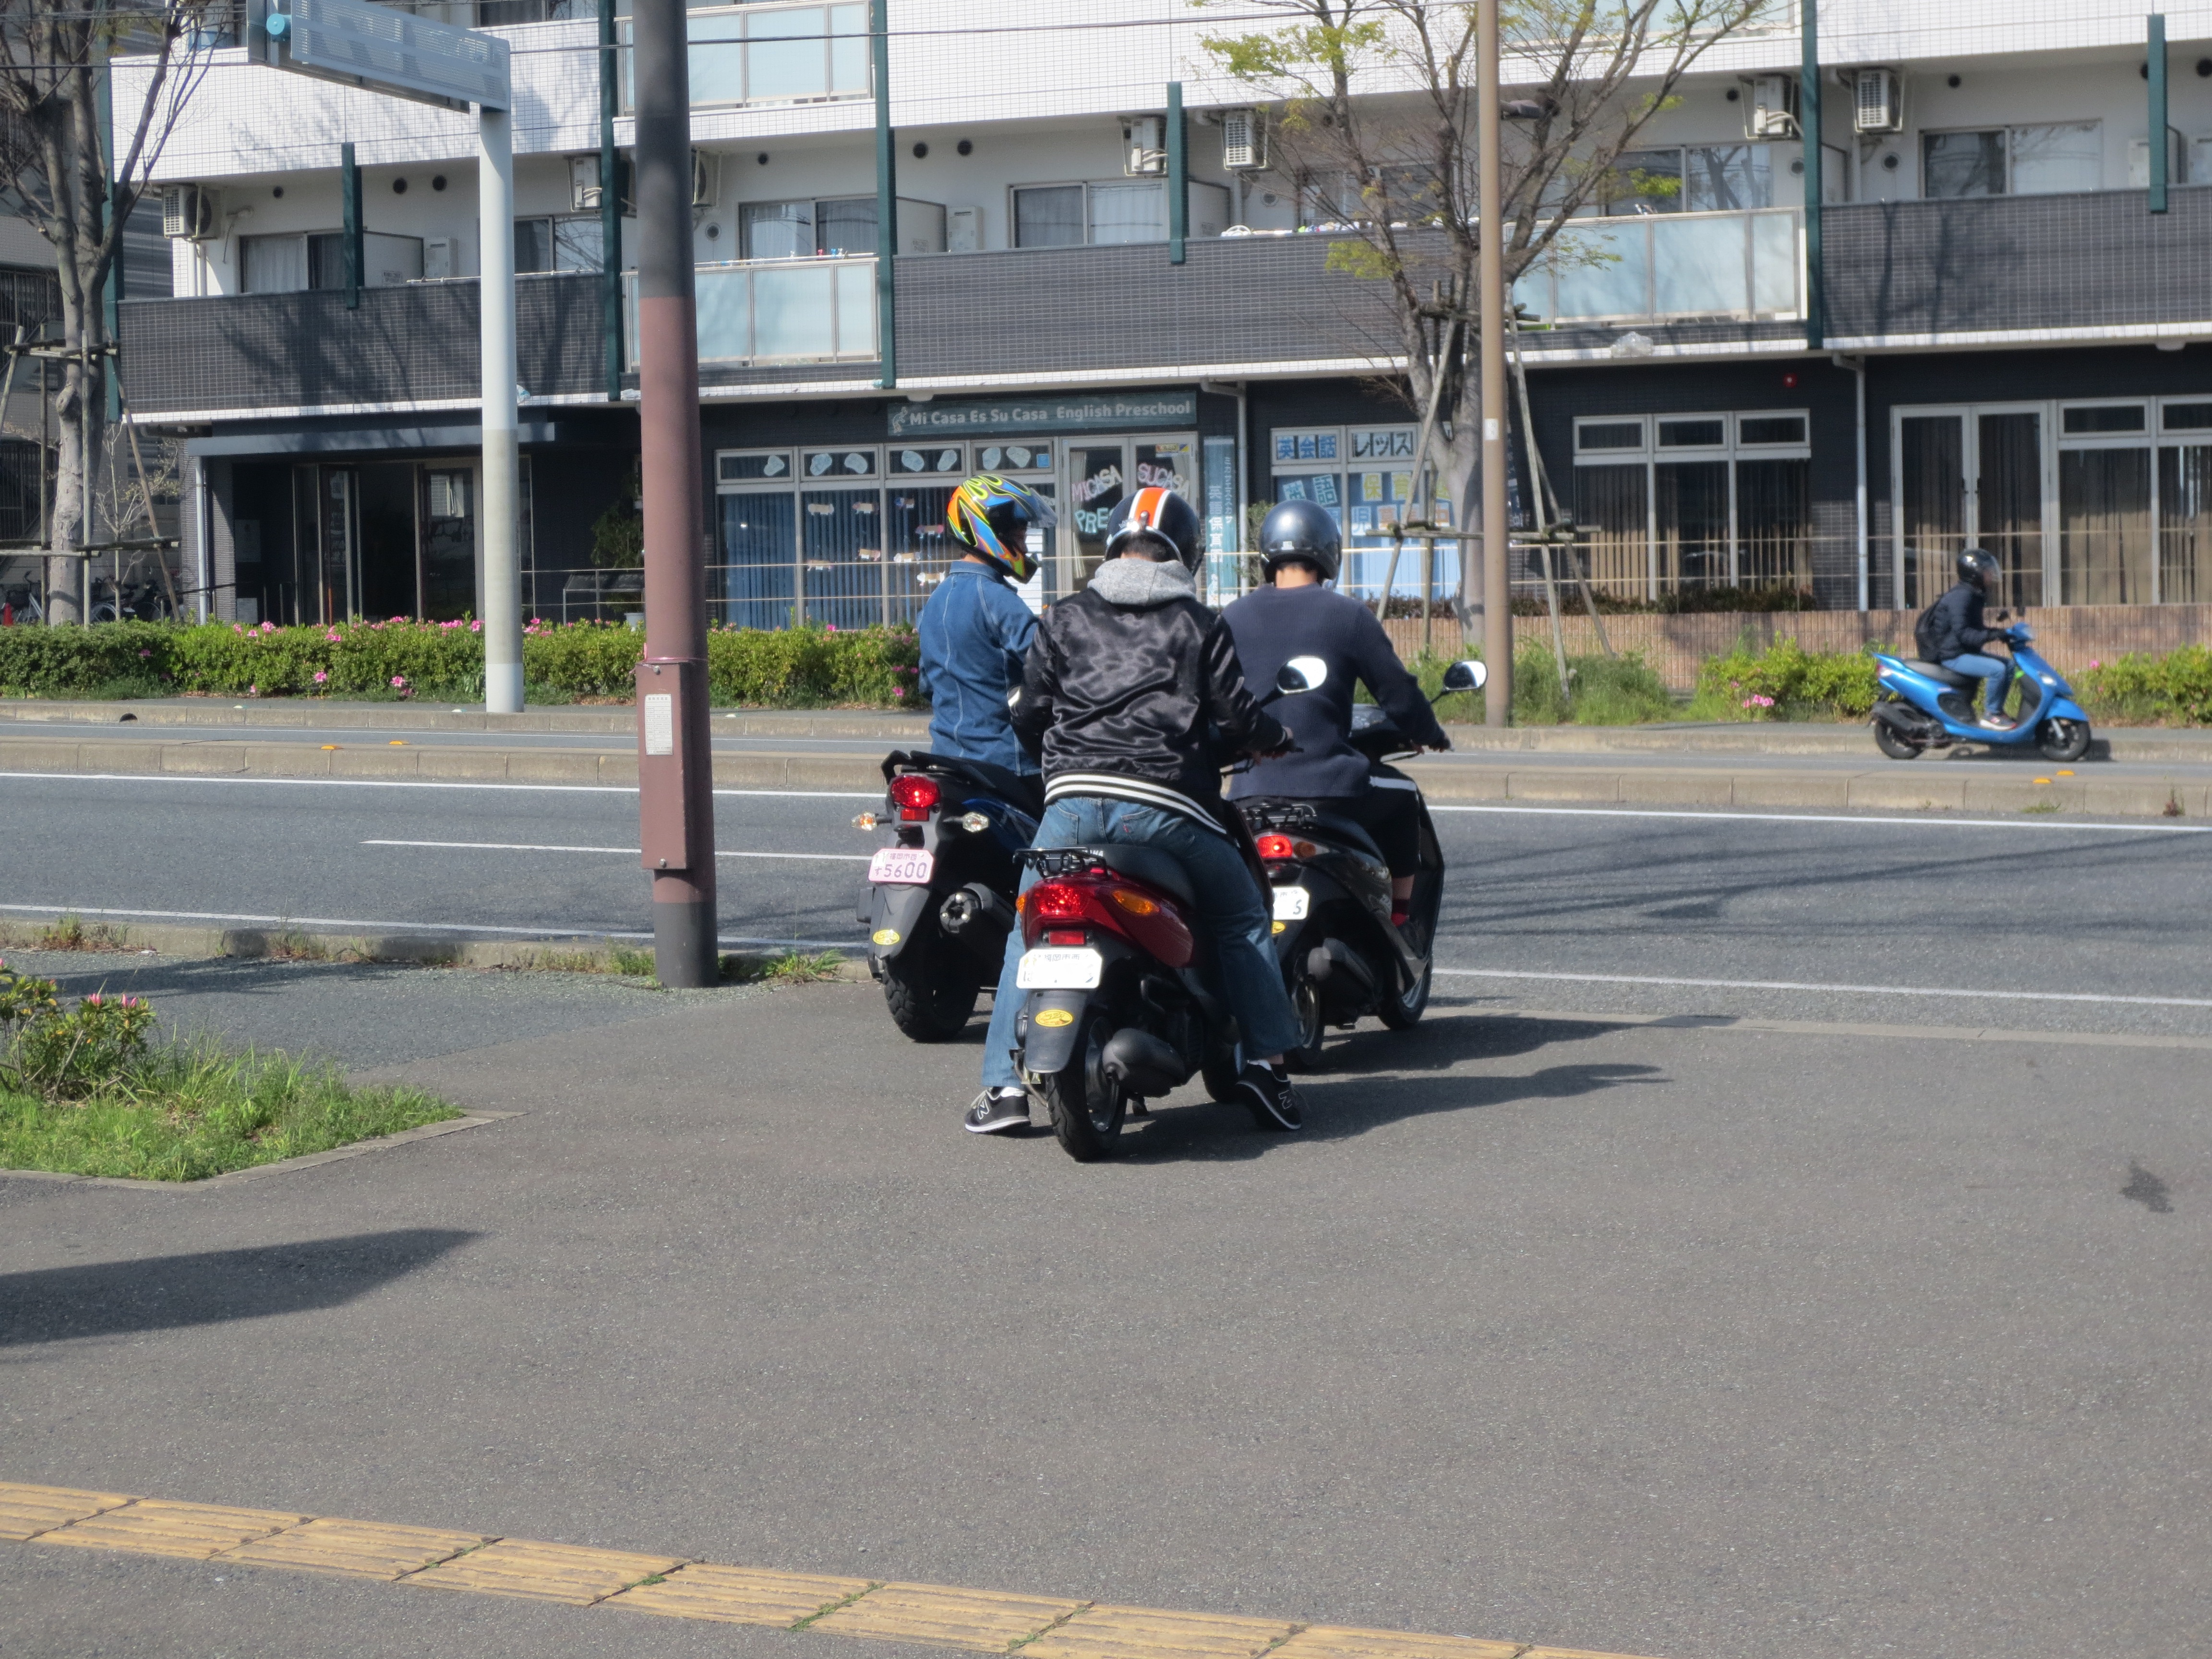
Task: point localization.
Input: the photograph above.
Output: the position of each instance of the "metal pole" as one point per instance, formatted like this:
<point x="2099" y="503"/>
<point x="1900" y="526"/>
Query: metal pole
<point x="610" y="298"/>
<point x="2156" y="66"/>
<point x="1497" y="588"/>
<point x="502" y="565"/>
<point x="1809" y="125"/>
<point x="886" y="195"/>
<point x="676" y="803"/>
<point x="349" y="223"/>
<point x="1178" y="176"/>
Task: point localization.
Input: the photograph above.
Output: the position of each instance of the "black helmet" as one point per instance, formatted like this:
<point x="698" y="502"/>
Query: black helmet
<point x="1979" y="566"/>
<point x="1301" y="530"/>
<point x="1160" y="514"/>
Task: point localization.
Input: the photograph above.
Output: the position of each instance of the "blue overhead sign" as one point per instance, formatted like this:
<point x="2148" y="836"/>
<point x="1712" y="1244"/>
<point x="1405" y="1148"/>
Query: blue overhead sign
<point x="383" y="49"/>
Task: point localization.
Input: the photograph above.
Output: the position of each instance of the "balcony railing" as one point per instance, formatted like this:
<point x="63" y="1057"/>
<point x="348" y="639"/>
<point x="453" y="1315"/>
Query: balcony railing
<point x="770" y="54"/>
<point x="1744" y="267"/>
<point x="782" y="310"/>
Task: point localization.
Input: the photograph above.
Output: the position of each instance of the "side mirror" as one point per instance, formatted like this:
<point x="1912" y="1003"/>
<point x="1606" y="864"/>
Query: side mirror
<point x="1469" y="675"/>
<point x="1300" y="674"/>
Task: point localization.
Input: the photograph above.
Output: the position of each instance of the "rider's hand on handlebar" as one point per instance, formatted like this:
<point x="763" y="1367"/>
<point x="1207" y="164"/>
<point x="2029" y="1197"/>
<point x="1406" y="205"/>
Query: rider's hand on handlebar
<point x="1443" y="748"/>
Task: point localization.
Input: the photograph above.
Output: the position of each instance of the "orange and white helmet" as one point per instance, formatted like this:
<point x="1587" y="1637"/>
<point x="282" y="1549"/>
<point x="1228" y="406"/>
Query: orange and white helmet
<point x="1160" y="514"/>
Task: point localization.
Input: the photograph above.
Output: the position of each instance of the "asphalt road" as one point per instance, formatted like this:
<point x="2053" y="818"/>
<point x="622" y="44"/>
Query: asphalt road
<point x="1916" y="917"/>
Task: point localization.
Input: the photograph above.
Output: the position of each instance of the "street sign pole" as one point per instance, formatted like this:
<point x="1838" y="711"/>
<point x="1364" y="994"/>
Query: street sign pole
<point x="502" y="448"/>
<point x="675" y="800"/>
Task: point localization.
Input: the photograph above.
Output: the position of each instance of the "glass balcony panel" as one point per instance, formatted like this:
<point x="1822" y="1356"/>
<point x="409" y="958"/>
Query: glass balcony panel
<point x="848" y="49"/>
<point x="717" y="58"/>
<point x="725" y="324"/>
<point x="793" y="311"/>
<point x="786" y="56"/>
<point x="856" y="308"/>
<point x="1774" y="287"/>
<point x="1699" y="265"/>
<point x="1605" y="273"/>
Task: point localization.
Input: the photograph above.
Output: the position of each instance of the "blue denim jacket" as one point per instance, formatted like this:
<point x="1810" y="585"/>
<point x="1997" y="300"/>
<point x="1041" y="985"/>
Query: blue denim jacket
<point x="975" y="631"/>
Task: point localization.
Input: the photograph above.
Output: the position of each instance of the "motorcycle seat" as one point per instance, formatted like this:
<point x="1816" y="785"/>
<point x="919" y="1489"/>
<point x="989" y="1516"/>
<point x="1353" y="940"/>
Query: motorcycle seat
<point x="1345" y="833"/>
<point x="1940" y="675"/>
<point x="1149" y="864"/>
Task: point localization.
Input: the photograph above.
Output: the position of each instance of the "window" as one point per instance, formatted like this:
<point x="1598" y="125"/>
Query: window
<point x="1679" y="501"/>
<point x="1699" y="178"/>
<point x="1364" y="477"/>
<point x="1406" y="192"/>
<point x="1049" y="215"/>
<point x="2032" y="161"/>
<point x="806" y="230"/>
<point x="568" y="243"/>
<point x="784" y="54"/>
<point x="1114" y="210"/>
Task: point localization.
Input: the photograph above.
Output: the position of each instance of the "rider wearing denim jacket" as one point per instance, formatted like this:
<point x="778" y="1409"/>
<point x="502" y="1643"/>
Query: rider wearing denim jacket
<point x="975" y="631"/>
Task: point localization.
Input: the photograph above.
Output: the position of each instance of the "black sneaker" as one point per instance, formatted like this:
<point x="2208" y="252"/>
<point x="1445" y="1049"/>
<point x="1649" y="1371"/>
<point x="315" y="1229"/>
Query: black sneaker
<point x="997" y="1110"/>
<point x="1266" y="1089"/>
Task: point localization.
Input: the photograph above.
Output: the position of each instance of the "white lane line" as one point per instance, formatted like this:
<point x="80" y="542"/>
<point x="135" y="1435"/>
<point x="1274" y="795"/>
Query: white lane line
<point x="1930" y="822"/>
<point x="531" y="847"/>
<point x="1863" y="990"/>
<point x="419" y="783"/>
<point x="552" y="930"/>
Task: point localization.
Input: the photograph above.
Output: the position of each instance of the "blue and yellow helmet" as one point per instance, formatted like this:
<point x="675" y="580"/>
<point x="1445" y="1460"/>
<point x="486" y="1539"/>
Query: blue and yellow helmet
<point x="991" y="518"/>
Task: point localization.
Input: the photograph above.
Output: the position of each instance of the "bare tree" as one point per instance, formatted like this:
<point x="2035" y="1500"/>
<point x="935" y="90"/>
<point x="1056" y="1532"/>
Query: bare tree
<point x="1374" y="107"/>
<point x="76" y="180"/>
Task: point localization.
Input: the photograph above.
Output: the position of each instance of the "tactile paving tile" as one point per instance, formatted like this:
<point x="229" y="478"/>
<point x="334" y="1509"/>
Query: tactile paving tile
<point x="26" y="1511"/>
<point x="547" y="1573"/>
<point x="740" y="1595"/>
<point x="148" y="1526"/>
<point x="1341" y="1642"/>
<point x="361" y="1549"/>
<point x="1103" y="1632"/>
<point x="947" y="1618"/>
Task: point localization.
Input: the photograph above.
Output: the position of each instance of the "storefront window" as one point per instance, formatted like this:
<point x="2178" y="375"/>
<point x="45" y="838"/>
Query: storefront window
<point x="2104" y="527"/>
<point x="1685" y="502"/>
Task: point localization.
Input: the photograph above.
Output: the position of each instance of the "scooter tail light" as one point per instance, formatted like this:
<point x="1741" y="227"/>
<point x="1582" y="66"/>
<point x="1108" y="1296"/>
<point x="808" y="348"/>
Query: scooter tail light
<point x="1066" y="936"/>
<point x="916" y="795"/>
<point x="1055" y="900"/>
<point x="1275" y="849"/>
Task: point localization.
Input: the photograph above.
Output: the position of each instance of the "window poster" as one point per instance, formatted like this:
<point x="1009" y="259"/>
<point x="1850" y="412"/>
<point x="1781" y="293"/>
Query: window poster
<point x="1371" y="488"/>
<point x="1382" y="442"/>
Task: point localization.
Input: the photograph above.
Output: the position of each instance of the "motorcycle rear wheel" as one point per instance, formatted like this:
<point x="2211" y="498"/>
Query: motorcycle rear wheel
<point x="2063" y="739"/>
<point x="1402" y="1012"/>
<point x="930" y="993"/>
<point x="1306" y="1007"/>
<point x="1893" y="744"/>
<point x="1087" y="1106"/>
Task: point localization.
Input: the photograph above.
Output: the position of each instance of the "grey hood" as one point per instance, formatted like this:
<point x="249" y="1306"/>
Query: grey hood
<point x="1140" y="583"/>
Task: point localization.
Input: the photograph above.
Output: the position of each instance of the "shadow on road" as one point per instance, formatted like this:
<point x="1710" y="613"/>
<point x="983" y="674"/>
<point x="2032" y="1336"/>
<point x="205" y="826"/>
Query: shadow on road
<point x="155" y="1293"/>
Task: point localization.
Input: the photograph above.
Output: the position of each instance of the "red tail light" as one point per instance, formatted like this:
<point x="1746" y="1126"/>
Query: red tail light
<point x="1066" y="936"/>
<point x="915" y="795"/>
<point x="1274" y="848"/>
<point x="1105" y="904"/>
<point x="1055" y="900"/>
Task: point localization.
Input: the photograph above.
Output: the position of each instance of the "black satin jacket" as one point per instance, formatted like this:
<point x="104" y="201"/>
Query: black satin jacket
<point x="1152" y="692"/>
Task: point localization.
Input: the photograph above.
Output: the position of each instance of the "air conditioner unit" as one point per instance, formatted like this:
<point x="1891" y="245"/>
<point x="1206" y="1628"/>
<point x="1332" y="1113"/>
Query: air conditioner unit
<point x="706" y="177"/>
<point x="437" y="258"/>
<point x="964" y="230"/>
<point x="584" y="185"/>
<point x="1770" y="112"/>
<point x="1143" y="151"/>
<point x="189" y="213"/>
<point x="1243" y="139"/>
<point x="1877" y="100"/>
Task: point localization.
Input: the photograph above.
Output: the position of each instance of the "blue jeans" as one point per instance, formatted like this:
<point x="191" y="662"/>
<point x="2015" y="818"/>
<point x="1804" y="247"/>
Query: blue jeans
<point x="1229" y="910"/>
<point x="1992" y="671"/>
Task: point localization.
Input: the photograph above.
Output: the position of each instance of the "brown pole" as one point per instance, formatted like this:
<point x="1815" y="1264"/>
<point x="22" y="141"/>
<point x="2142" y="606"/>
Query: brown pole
<point x="675" y="801"/>
<point x="1497" y="588"/>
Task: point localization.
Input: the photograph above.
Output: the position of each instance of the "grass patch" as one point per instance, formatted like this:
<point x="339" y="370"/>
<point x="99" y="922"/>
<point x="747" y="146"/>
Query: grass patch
<point x="69" y="933"/>
<point x="632" y="962"/>
<point x="192" y="1110"/>
<point x="793" y="967"/>
<point x="2041" y="806"/>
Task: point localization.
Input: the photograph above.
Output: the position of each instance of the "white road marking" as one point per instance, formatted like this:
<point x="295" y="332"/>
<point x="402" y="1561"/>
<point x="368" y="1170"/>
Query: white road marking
<point x="419" y="783"/>
<point x="531" y="847"/>
<point x="1792" y="985"/>
<point x="546" y="932"/>
<point x="1930" y="822"/>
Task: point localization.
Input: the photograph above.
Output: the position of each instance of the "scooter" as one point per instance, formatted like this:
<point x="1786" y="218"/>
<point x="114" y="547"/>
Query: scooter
<point x="1118" y="1010"/>
<point x="1343" y="958"/>
<point x="1924" y="704"/>
<point x="940" y="901"/>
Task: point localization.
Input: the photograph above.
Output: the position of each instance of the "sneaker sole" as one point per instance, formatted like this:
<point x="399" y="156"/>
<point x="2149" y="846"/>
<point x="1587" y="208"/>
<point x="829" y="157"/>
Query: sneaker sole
<point x="1264" y="1113"/>
<point x="997" y="1128"/>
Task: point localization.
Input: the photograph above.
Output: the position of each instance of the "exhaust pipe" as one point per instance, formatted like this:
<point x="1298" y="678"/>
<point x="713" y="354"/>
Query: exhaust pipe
<point x="973" y="904"/>
<point x="1335" y="959"/>
<point x="1142" y="1064"/>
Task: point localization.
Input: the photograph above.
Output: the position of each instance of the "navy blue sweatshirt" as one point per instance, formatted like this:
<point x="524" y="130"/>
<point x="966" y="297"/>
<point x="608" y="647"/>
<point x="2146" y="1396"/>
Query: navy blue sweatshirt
<point x="1271" y="625"/>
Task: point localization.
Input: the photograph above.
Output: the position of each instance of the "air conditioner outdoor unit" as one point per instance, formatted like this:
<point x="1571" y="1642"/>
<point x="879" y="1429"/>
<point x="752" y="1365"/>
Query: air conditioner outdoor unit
<point x="1143" y="151"/>
<point x="584" y="185"/>
<point x="189" y="213"/>
<point x="706" y="177"/>
<point x="1877" y="100"/>
<point x="1770" y="112"/>
<point x="1243" y="139"/>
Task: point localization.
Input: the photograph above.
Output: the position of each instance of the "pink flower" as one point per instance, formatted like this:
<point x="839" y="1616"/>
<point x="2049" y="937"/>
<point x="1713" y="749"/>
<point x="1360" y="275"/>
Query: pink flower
<point x="400" y="682"/>
<point x="332" y="636"/>
<point x="252" y="691"/>
<point x="476" y="627"/>
<point x="2096" y="665"/>
<point x="144" y="654"/>
<point x="320" y="676"/>
<point x="269" y="627"/>
<point x="93" y="1001"/>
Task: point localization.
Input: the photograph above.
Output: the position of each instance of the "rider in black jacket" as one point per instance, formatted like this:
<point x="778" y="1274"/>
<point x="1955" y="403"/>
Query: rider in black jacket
<point x="1955" y="634"/>
<point x="1132" y="693"/>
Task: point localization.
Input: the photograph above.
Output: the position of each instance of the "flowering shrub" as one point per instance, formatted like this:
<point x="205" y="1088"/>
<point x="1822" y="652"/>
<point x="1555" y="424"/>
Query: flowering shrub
<point x="2173" y="689"/>
<point x="1786" y="677"/>
<point x="66" y="1056"/>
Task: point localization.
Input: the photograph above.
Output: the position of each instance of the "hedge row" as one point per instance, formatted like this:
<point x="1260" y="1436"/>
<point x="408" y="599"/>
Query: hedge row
<point x="399" y="660"/>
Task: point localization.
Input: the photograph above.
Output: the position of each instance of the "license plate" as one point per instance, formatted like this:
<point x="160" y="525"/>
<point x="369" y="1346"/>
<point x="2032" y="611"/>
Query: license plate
<point x="1060" y="969"/>
<point x="1292" y="904"/>
<point x="903" y="865"/>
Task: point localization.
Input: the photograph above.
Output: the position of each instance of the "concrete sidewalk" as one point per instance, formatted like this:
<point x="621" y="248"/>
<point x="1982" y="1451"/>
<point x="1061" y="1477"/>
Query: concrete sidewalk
<point x="1716" y="1344"/>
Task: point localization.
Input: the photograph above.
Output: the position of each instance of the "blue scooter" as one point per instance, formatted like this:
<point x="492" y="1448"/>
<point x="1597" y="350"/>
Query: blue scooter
<point x="1923" y="706"/>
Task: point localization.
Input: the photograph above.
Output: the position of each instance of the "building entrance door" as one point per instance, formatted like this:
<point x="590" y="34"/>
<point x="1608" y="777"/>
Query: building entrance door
<point x="1101" y="472"/>
<point x="1974" y="476"/>
<point x="326" y="544"/>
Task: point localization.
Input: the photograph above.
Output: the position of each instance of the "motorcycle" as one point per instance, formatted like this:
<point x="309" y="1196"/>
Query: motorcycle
<point x="1924" y="704"/>
<point x="1118" y="1010"/>
<point x="940" y="901"/>
<point x="1343" y="957"/>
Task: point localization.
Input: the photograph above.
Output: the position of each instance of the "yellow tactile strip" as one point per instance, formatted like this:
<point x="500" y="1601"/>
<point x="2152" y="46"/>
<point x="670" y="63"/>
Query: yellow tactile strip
<point x="941" y="1615"/>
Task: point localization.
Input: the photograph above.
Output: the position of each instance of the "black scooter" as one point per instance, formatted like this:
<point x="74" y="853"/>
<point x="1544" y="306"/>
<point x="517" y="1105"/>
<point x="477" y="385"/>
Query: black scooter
<point x="1343" y="958"/>
<point x="940" y="901"/>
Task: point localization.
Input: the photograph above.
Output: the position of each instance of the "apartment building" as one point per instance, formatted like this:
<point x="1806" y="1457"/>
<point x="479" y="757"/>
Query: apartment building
<point x="2017" y="351"/>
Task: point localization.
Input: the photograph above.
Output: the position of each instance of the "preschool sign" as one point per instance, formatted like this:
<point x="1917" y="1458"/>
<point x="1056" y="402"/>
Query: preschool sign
<point x="1012" y="416"/>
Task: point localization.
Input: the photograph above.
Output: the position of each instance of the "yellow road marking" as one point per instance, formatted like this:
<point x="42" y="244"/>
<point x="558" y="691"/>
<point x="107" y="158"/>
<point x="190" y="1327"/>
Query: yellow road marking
<point x="941" y="1615"/>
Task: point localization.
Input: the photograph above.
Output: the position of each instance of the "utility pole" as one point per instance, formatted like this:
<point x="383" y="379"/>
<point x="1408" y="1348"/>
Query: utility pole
<point x="611" y="295"/>
<point x="879" y="42"/>
<point x="1497" y="574"/>
<point x="2155" y="72"/>
<point x="675" y="800"/>
<point x="503" y="447"/>
<point x="1809" y="128"/>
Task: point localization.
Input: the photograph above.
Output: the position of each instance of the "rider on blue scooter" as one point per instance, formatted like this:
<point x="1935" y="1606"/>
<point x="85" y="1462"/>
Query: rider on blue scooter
<point x="1952" y="634"/>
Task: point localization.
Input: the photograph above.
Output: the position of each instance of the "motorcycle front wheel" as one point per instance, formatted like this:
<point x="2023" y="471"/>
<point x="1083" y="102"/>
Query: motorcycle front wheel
<point x="1403" y="1010"/>
<point x="2063" y="739"/>
<point x="1086" y="1105"/>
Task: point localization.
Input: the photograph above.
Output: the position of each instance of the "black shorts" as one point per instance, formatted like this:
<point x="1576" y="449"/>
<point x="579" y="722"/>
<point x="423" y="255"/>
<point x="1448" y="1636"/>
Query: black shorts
<point x="1390" y="815"/>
